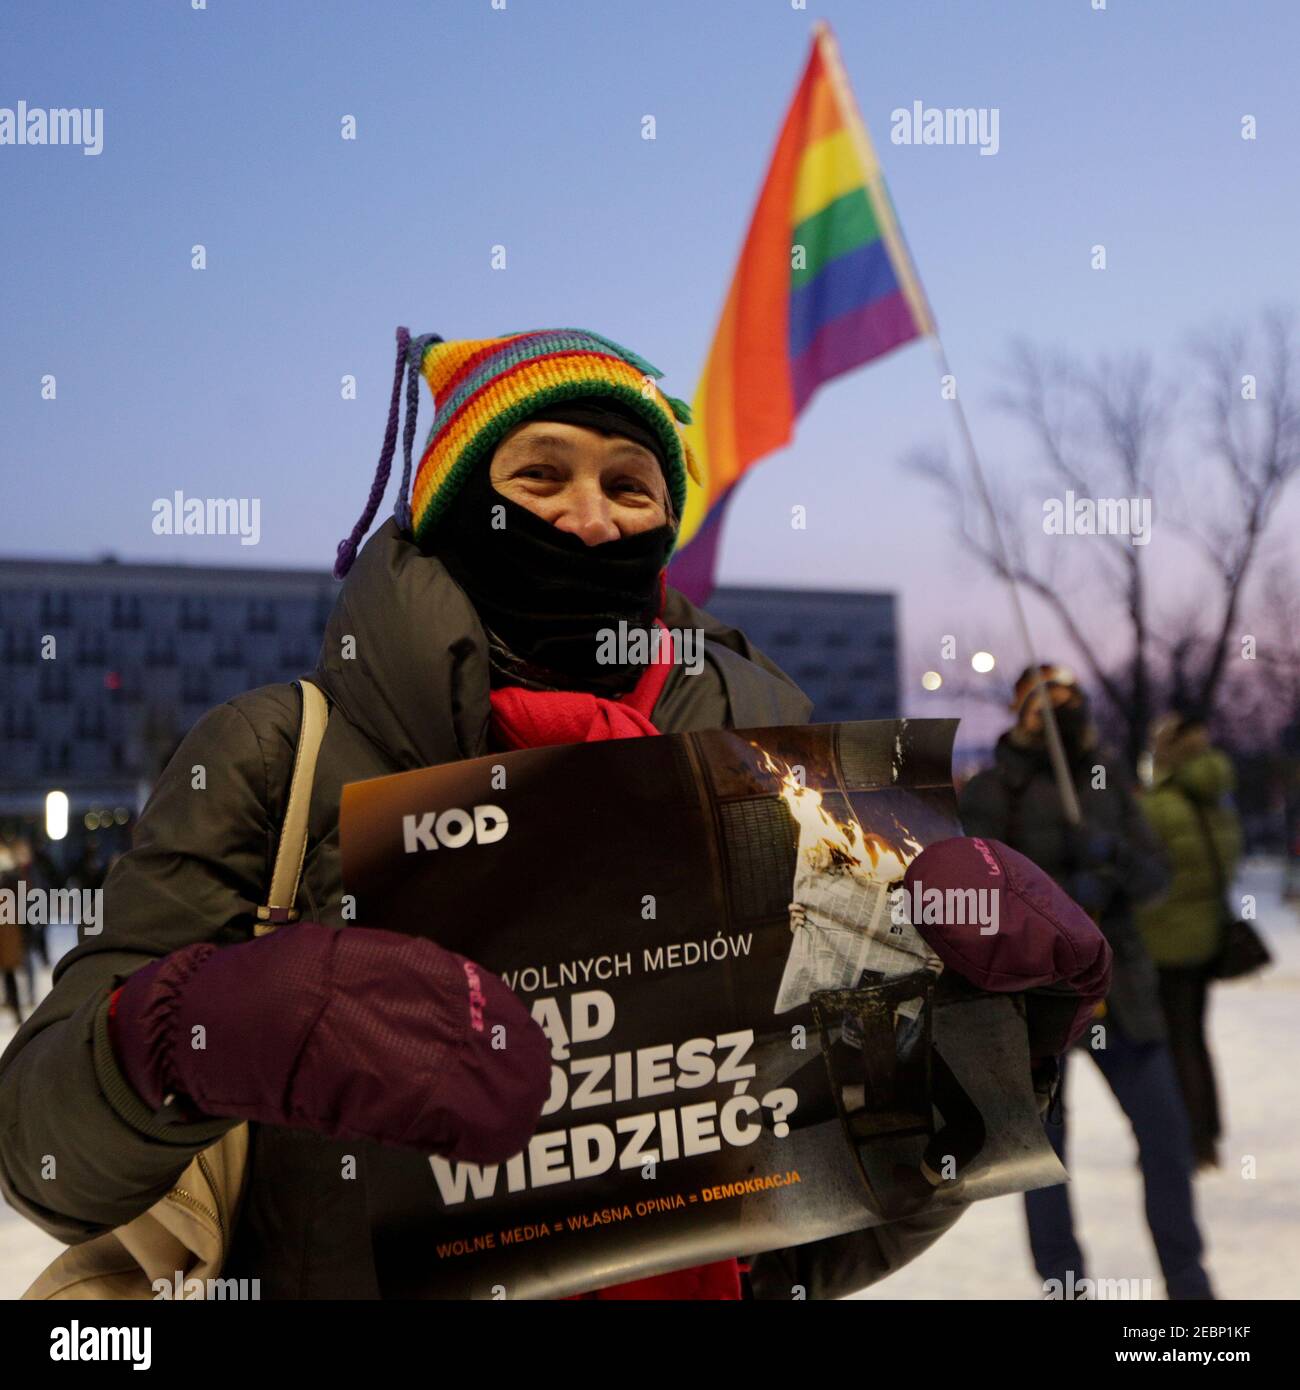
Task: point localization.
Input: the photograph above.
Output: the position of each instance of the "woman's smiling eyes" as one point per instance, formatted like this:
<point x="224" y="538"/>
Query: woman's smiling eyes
<point x="550" y="473"/>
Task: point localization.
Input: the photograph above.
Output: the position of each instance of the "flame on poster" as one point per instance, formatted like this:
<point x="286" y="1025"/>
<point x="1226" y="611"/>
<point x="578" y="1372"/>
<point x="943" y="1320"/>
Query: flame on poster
<point x="829" y="844"/>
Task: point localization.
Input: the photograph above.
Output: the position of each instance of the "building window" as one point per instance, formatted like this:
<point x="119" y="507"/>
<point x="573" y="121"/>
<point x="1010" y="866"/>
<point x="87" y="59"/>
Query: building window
<point x="228" y="654"/>
<point x="19" y="724"/>
<point x="124" y="613"/>
<point x="56" y="610"/>
<point x="295" y="656"/>
<point x="90" y="722"/>
<point x="55" y="684"/>
<point x="194" y="686"/>
<point x="837" y="638"/>
<point x="261" y="615"/>
<point x="19" y="647"/>
<point x="161" y="652"/>
<point x="56" y="757"/>
<point x="194" y="615"/>
<point x="129" y="689"/>
<point x="91" y="648"/>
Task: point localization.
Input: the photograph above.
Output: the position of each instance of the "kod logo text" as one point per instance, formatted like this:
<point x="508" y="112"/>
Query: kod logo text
<point x="485" y="825"/>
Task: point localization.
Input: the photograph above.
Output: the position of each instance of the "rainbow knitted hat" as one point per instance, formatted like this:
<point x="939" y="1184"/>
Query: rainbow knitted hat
<point x="483" y="387"/>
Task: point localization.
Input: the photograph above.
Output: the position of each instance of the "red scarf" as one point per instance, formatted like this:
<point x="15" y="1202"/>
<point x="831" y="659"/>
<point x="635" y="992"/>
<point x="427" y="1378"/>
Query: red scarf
<point x="540" y="719"/>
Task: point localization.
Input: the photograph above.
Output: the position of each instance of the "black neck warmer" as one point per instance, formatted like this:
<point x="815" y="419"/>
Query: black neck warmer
<point x="1078" y="736"/>
<point x="544" y="595"/>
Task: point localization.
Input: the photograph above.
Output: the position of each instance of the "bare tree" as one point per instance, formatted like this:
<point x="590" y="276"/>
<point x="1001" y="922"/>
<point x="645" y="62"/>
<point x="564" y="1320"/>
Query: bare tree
<point x="1260" y="704"/>
<point x="1106" y="432"/>
<point x="1254" y="434"/>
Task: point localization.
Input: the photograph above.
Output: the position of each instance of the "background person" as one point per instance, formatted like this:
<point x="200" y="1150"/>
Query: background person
<point x="1189" y="808"/>
<point x="38" y="871"/>
<point x="11" y="957"/>
<point x="1108" y="865"/>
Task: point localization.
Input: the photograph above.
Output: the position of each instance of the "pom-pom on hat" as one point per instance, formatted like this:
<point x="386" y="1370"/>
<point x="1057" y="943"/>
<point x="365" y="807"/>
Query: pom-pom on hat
<point x="482" y="388"/>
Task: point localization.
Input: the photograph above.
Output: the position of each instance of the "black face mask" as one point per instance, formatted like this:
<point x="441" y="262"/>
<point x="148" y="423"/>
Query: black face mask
<point x="546" y="594"/>
<point x="1074" y="723"/>
<point x="1075" y="727"/>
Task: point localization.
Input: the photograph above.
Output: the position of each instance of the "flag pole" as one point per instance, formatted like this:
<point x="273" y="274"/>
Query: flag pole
<point x="915" y="295"/>
<point x="1055" y="745"/>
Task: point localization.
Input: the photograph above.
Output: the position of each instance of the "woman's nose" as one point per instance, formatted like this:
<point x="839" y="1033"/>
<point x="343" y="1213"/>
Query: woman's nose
<point x="588" y="515"/>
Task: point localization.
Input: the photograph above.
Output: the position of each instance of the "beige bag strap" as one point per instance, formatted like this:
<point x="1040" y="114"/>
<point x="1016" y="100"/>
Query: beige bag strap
<point x="292" y="849"/>
<point x="124" y="1262"/>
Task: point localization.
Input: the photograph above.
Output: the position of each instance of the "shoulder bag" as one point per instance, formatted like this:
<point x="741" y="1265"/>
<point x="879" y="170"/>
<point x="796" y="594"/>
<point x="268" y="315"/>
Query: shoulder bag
<point x="1242" y="951"/>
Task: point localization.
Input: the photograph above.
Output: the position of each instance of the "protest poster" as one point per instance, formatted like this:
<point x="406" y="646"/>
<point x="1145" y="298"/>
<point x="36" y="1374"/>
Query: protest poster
<point x="751" y="1048"/>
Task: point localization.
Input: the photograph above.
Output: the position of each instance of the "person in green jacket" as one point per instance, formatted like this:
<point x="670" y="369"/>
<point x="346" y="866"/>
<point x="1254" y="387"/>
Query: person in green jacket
<point x="1189" y="808"/>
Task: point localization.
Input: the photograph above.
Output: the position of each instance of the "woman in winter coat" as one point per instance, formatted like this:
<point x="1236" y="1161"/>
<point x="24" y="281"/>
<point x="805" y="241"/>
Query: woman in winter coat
<point x="1189" y="808"/>
<point x="544" y="509"/>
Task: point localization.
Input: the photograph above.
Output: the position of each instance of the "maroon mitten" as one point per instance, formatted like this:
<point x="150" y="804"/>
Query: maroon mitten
<point x="353" y="1033"/>
<point x="1031" y="936"/>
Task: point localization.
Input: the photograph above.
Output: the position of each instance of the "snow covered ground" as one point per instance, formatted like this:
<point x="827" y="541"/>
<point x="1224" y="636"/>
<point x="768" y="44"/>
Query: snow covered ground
<point x="1252" y="1225"/>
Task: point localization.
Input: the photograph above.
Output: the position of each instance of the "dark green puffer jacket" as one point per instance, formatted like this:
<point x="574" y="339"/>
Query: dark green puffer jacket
<point x="413" y="694"/>
<point x="1184" y="928"/>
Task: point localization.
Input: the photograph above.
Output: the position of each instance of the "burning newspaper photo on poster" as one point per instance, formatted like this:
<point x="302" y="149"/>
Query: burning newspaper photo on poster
<point x="841" y="921"/>
<point x="721" y="1085"/>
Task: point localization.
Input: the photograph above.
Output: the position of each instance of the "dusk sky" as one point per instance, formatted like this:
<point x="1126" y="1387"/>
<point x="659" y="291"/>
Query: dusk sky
<point x="522" y="127"/>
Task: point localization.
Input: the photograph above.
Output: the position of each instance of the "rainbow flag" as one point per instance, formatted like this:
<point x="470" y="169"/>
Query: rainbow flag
<point x="824" y="284"/>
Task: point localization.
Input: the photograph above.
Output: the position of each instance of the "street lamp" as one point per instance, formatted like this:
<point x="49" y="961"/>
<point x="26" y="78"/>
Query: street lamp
<point x="932" y="680"/>
<point x="56" y="815"/>
<point x="983" y="661"/>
